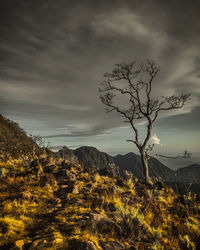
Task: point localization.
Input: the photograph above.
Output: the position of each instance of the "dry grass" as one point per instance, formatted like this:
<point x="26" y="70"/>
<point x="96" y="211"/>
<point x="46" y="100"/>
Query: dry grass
<point x="134" y="214"/>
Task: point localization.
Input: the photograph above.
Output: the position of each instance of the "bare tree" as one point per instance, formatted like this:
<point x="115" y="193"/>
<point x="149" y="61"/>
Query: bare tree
<point x="137" y="81"/>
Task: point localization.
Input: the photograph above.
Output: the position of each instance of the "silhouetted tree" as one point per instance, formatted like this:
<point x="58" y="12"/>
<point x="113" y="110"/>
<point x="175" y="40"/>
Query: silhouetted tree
<point x="137" y="81"/>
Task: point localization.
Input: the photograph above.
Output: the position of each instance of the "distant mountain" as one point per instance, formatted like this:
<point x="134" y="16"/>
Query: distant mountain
<point x="90" y="156"/>
<point x="132" y="162"/>
<point x="129" y="162"/>
<point x="67" y="153"/>
<point x="189" y="174"/>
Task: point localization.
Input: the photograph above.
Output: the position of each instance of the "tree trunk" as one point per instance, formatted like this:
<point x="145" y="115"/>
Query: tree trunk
<point x="145" y="165"/>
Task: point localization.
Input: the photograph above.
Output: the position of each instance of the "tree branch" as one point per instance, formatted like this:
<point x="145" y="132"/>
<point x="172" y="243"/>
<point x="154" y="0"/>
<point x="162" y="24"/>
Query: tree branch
<point x="173" y="102"/>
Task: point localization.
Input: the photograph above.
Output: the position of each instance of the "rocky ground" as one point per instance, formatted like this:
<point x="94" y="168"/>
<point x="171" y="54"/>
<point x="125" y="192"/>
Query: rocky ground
<point x="50" y="203"/>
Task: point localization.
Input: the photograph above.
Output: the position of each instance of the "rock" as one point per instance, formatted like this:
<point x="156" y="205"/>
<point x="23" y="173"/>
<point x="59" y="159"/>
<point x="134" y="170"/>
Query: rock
<point x="25" y="195"/>
<point x="97" y="202"/>
<point x="80" y="202"/>
<point x="109" y="207"/>
<point x="38" y="244"/>
<point x="34" y="163"/>
<point x="81" y="245"/>
<point x="68" y="188"/>
<point x="105" y="225"/>
<point x="90" y="186"/>
<point x="54" y="201"/>
<point x="50" y="168"/>
<point x="3" y="227"/>
<point x="141" y="190"/>
<point x="112" y="245"/>
<point x="75" y="190"/>
<point x="120" y="183"/>
<point x="70" y="175"/>
<point x="111" y="171"/>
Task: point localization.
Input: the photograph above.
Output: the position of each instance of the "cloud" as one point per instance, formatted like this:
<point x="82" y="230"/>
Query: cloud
<point x="53" y="57"/>
<point x="125" y="22"/>
<point x="189" y="121"/>
<point x="155" y="140"/>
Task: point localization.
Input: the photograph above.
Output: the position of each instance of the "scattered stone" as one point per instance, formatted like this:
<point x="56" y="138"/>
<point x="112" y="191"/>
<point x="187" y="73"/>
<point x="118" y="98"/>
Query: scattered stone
<point x="54" y="201"/>
<point x="38" y="244"/>
<point x="109" y="207"/>
<point x="25" y="195"/>
<point x="120" y="183"/>
<point x="34" y="163"/>
<point x="3" y="227"/>
<point x="105" y="225"/>
<point x="112" y="245"/>
<point x="81" y="245"/>
<point x="75" y="189"/>
<point x="110" y="171"/>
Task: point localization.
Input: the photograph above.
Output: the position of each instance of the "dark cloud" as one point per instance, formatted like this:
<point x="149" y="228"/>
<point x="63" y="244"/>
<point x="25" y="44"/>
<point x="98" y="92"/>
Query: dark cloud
<point x="53" y="55"/>
<point x="187" y="121"/>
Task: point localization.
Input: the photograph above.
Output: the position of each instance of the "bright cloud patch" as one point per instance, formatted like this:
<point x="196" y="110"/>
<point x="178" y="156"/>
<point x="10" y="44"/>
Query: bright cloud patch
<point x="155" y="140"/>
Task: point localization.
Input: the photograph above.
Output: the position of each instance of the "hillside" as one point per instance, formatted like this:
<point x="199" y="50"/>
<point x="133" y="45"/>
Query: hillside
<point x="187" y="179"/>
<point x="189" y="174"/>
<point x="13" y="139"/>
<point x="179" y="180"/>
<point x="66" y="153"/>
<point x="90" y="157"/>
<point x="47" y="202"/>
<point x="183" y="180"/>
<point x="132" y="162"/>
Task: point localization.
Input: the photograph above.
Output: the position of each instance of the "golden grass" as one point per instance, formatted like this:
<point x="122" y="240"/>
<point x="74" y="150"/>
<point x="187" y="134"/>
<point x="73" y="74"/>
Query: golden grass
<point x="24" y="201"/>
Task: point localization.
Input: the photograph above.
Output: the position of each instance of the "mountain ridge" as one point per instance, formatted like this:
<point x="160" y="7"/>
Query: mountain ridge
<point x="179" y="179"/>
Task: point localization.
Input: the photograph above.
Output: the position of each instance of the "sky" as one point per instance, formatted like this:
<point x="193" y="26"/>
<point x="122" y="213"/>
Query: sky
<point x="54" y="53"/>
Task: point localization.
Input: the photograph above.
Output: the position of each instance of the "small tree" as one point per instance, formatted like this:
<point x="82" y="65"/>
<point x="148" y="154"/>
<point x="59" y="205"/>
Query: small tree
<point x="137" y="83"/>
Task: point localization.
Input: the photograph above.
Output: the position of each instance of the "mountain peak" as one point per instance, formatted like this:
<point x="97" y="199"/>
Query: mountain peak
<point x="90" y="156"/>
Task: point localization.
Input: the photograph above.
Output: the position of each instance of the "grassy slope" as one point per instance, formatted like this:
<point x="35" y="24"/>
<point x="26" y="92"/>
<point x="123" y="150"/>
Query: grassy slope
<point x="14" y="141"/>
<point x="46" y="203"/>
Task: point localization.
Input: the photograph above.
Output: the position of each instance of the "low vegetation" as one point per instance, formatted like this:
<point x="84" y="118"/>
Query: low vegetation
<point x="50" y="203"/>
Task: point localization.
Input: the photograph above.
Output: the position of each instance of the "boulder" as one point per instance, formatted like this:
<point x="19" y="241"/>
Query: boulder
<point x="104" y="225"/>
<point x="111" y="171"/>
<point x="81" y="245"/>
<point x="38" y="244"/>
<point x="112" y="245"/>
